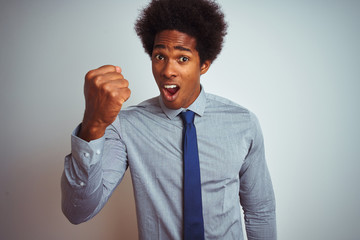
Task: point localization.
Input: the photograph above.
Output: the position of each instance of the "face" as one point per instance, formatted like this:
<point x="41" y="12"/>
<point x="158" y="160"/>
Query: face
<point x="176" y="68"/>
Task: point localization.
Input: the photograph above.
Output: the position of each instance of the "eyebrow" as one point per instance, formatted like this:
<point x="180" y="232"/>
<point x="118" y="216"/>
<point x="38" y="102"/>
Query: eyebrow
<point x="181" y="48"/>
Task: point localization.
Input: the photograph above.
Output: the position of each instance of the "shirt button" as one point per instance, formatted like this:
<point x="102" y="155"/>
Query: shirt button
<point x="82" y="184"/>
<point x="86" y="155"/>
<point x="98" y="152"/>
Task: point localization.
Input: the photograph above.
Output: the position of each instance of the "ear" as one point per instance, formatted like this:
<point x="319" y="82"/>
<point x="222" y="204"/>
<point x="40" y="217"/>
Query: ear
<point x="205" y="67"/>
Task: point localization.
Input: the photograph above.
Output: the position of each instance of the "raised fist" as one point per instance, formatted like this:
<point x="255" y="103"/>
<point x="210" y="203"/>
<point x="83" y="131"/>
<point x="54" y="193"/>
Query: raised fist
<point x="105" y="91"/>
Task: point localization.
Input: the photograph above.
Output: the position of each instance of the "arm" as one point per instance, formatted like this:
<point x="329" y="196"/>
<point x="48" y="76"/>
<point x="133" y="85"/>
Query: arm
<point x="91" y="173"/>
<point x="98" y="156"/>
<point x="256" y="191"/>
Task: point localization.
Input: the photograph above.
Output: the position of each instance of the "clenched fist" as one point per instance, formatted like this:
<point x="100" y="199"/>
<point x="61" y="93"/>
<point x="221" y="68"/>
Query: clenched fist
<point x="105" y="91"/>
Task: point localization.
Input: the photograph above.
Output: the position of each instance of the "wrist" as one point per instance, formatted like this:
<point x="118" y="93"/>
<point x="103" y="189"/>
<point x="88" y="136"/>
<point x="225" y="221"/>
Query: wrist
<point x="91" y="131"/>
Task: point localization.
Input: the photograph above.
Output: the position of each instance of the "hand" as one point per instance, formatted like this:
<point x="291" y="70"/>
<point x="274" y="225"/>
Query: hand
<point x="105" y="91"/>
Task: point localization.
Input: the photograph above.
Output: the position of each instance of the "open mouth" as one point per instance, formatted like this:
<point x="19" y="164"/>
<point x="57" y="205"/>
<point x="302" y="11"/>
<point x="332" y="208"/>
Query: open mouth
<point x="170" y="92"/>
<point x="171" y="89"/>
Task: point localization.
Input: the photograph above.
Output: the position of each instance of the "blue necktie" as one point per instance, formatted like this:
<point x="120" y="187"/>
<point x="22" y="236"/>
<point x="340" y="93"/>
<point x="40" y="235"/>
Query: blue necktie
<point x="193" y="218"/>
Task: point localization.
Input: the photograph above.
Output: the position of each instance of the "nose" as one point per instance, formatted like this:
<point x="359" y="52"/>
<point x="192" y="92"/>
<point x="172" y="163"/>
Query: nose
<point x="169" y="70"/>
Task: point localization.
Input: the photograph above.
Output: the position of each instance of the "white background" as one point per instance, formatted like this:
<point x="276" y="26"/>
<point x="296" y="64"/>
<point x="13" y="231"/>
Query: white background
<point x="295" y="64"/>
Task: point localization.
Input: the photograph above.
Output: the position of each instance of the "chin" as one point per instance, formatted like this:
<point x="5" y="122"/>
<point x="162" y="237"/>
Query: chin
<point x="172" y="106"/>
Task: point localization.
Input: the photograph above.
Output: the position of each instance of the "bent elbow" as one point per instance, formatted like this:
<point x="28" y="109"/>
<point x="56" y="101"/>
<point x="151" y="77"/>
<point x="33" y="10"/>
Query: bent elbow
<point x="72" y="217"/>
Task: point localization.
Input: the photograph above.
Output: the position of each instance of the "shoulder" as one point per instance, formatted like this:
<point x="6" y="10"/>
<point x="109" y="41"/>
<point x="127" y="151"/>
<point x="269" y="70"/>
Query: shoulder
<point x="148" y="107"/>
<point x="141" y="114"/>
<point x="223" y="105"/>
<point x="228" y="116"/>
<point x="137" y="116"/>
<point x="236" y="113"/>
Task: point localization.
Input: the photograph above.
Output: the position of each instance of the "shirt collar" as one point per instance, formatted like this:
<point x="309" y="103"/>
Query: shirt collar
<point x="198" y="106"/>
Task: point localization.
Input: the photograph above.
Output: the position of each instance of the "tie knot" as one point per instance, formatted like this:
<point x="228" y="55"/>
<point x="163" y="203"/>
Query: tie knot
<point x="188" y="116"/>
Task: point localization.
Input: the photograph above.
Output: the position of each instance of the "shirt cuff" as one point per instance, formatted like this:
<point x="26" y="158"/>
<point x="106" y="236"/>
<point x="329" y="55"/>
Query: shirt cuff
<point x="86" y="153"/>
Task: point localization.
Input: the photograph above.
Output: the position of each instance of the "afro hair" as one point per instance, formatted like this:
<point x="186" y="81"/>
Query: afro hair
<point x="201" y="19"/>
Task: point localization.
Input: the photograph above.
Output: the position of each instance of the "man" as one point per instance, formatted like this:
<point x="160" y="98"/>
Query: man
<point x="183" y="38"/>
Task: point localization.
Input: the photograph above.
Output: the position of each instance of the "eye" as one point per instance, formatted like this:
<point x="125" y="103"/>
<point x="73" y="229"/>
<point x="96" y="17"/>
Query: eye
<point x="183" y="59"/>
<point x="159" y="57"/>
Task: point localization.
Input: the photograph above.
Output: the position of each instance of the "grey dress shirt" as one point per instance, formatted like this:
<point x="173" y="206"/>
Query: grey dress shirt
<point x="147" y="138"/>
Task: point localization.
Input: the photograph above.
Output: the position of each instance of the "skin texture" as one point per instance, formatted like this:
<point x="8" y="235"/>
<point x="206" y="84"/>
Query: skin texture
<point x="105" y="91"/>
<point x="175" y="61"/>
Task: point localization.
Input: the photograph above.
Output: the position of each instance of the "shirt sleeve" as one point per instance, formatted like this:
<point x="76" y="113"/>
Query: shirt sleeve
<point x="256" y="191"/>
<point x="91" y="173"/>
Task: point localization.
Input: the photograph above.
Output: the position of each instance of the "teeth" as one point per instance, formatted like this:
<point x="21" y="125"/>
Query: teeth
<point x="169" y="86"/>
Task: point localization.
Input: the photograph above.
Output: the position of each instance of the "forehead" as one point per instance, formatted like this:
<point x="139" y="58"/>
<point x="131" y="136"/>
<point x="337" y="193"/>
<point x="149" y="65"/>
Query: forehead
<point x="174" y="38"/>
